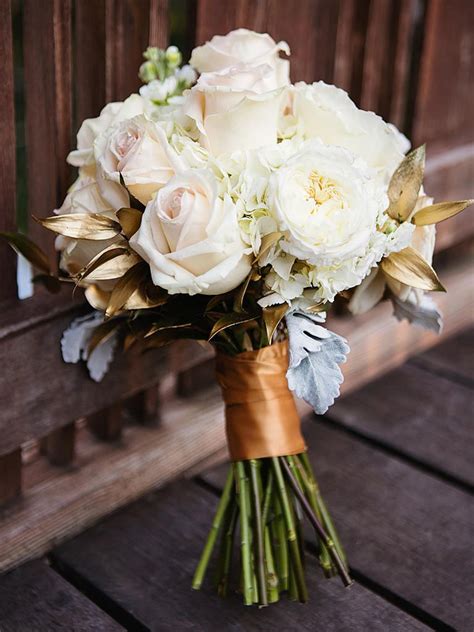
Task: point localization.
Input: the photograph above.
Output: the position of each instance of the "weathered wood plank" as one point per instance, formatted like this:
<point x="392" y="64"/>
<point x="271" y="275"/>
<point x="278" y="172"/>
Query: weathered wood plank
<point x="10" y="476"/>
<point x="419" y="413"/>
<point x="110" y="475"/>
<point x="59" y="445"/>
<point x="7" y="152"/>
<point x="48" y="76"/>
<point x="453" y="358"/>
<point x="401" y="528"/>
<point x="143" y="558"/>
<point x="34" y="597"/>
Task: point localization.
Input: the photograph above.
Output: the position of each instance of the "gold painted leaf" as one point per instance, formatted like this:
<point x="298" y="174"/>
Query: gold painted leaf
<point x="242" y="289"/>
<point x="130" y="220"/>
<point x="102" y="333"/>
<point x="143" y="299"/>
<point x="125" y="287"/>
<point x="110" y="263"/>
<point x="267" y="242"/>
<point x="82" y="225"/>
<point x="272" y="316"/>
<point x="51" y="283"/>
<point x="410" y="268"/>
<point x="439" y="212"/>
<point x="97" y="298"/>
<point x="229" y="320"/>
<point x="318" y="308"/>
<point x="405" y="185"/>
<point x="24" y="246"/>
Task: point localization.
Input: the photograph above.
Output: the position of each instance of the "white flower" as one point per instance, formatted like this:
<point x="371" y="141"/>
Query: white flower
<point x="159" y="91"/>
<point x="137" y="149"/>
<point x="242" y="47"/>
<point x="112" y="114"/>
<point x="327" y="112"/>
<point x="190" y="237"/>
<point x="328" y="202"/>
<point x="235" y="109"/>
<point x="186" y="74"/>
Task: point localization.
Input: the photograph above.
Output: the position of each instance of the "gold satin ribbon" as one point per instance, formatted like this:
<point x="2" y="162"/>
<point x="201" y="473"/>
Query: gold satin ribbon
<point x="261" y="416"/>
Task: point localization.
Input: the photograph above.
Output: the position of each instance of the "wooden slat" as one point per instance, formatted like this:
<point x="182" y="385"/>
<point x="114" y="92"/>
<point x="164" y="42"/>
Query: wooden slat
<point x="34" y="597"/>
<point x="144" y="407"/>
<point x="159" y="23"/>
<point x="89" y="59"/>
<point x="106" y="424"/>
<point x="453" y="358"/>
<point x="127" y="26"/>
<point x="409" y="404"/>
<point x="59" y="445"/>
<point x="7" y="152"/>
<point x="143" y="559"/>
<point x="108" y="476"/>
<point x="48" y="77"/>
<point x="401" y="528"/>
<point x="10" y="476"/>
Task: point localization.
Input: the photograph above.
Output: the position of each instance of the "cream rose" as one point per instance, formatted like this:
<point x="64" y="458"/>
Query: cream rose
<point x="112" y="114"/>
<point x="190" y="237"/>
<point x="243" y="47"/>
<point x="327" y="201"/>
<point x="237" y="108"/>
<point x="327" y="112"/>
<point x="136" y="149"/>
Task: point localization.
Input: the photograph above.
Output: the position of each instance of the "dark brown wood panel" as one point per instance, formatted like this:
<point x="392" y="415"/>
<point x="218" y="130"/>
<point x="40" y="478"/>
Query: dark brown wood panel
<point x="417" y="412"/>
<point x="7" y="152"/>
<point x="33" y="406"/>
<point x="48" y="80"/>
<point x="35" y="598"/>
<point x="127" y="31"/>
<point x="143" y="559"/>
<point x="89" y="58"/>
<point x="59" y="445"/>
<point x="10" y="476"/>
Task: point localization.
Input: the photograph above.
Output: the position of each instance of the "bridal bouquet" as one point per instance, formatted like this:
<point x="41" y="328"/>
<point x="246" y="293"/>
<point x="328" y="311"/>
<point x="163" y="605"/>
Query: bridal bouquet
<point x="223" y="203"/>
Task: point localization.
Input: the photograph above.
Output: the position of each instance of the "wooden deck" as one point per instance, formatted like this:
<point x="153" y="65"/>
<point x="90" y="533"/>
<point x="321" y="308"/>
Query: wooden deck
<point x="394" y="461"/>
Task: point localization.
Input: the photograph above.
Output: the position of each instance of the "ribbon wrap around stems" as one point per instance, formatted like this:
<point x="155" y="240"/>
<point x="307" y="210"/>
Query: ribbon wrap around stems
<point x="261" y="416"/>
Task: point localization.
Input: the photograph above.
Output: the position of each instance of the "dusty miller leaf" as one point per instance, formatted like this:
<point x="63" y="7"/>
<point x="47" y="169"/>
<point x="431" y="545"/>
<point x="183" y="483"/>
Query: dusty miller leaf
<point x="315" y="353"/>
<point x="423" y="314"/>
<point x="75" y="344"/>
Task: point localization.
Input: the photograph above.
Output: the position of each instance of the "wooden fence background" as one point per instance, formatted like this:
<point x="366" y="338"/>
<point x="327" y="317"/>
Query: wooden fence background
<point x="72" y="450"/>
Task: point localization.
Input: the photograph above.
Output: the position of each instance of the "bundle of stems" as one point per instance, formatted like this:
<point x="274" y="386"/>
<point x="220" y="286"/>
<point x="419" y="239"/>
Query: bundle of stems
<point x="263" y="505"/>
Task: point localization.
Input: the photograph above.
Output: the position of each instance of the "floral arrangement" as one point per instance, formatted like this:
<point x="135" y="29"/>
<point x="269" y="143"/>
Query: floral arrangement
<point x="223" y="203"/>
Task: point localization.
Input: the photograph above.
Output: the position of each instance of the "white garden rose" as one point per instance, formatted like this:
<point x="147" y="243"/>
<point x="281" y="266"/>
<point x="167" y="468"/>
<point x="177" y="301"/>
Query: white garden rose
<point x="327" y="112"/>
<point x="190" y="237"/>
<point x="112" y="114"/>
<point x="243" y="47"/>
<point x="236" y="108"/>
<point x="136" y="150"/>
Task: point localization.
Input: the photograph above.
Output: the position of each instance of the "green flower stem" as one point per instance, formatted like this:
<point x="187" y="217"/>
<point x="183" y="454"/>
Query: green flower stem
<point x="296" y="564"/>
<point x="272" y="577"/>
<point x="325" y="517"/>
<point x="268" y="498"/>
<point x="256" y="492"/>
<point x="309" y="487"/>
<point x="245" y="545"/>
<point x="227" y="547"/>
<point x="211" y="538"/>
<point x="341" y="568"/>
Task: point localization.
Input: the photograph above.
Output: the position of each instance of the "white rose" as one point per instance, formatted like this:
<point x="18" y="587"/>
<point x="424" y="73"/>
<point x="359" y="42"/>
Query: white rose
<point x="138" y="150"/>
<point x="242" y="47"/>
<point x="327" y="201"/>
<point x="190" y="237"/>
<point x="233" y="109"/>
<point x="112" y="114"/>
<point x="327" y="112"/>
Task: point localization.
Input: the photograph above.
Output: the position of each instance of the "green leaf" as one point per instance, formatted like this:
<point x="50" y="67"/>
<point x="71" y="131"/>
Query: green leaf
<point x="24" y="246"/>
